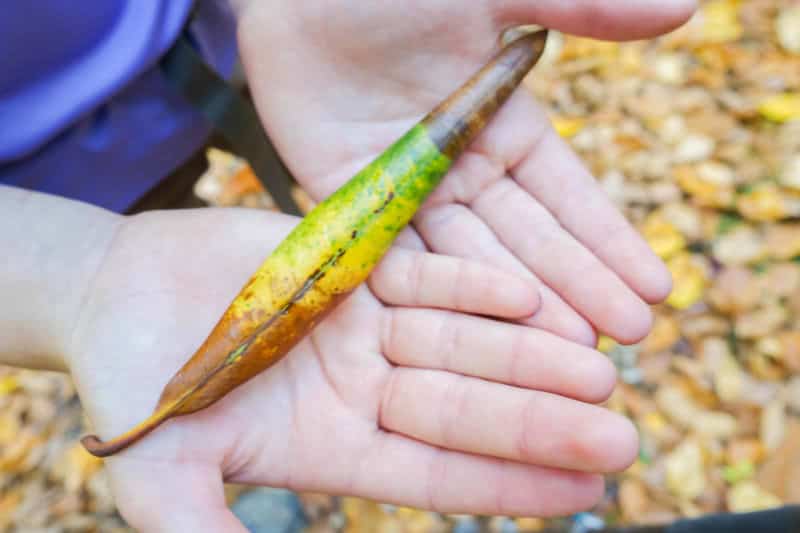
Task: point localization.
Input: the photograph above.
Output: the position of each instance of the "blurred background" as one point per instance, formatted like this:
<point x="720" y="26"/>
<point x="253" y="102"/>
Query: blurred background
<point x="696" y="137"/>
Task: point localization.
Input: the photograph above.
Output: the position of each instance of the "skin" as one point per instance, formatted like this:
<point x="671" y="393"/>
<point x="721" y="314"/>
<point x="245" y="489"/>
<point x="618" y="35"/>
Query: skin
<point x="399" y="395"/>
<point x="334" y="248"/>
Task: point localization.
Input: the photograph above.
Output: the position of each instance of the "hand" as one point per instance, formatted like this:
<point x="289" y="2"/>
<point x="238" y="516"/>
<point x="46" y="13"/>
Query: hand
<point x="389" y="398"/>
<point x="337" y="81"/>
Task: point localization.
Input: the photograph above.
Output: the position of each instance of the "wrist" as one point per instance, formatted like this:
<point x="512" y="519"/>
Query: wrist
<point x="53" y="248"/>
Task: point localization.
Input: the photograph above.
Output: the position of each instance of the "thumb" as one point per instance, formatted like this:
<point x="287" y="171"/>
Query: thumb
<point x="601" y="19"/>
<point x="167" y="497"/>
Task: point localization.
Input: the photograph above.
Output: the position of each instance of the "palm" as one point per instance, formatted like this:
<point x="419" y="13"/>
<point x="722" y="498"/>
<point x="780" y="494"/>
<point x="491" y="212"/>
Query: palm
<point x="382" y="401"/>
<point x="344" y="79"/>
<point x="387" y="399"/>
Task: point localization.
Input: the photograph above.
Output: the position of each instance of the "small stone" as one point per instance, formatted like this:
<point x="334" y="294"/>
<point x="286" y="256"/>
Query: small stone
<point x="502" y="524"/>
<point x="270" y="510"/>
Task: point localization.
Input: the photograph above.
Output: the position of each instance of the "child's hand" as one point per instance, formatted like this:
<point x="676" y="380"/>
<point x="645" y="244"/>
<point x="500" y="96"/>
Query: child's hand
<point x="388" y="398"/>
<point x="337" y="81"/>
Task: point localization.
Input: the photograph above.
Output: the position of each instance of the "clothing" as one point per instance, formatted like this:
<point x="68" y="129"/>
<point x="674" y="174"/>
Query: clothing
<point x="84" y="110"/>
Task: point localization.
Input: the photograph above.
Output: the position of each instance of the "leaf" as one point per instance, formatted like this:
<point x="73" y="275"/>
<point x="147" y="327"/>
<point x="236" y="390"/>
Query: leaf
<point x="334" y="248"/>
<point x="721" y="21"/>
<point x="689" y="282"/>
<point x="567" y="127"/>
<point x="781" y="107"/>
<point x="748" y="496"/>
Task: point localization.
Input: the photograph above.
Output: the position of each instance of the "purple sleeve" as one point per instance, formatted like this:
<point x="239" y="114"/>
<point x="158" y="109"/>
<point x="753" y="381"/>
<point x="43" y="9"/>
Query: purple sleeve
<point x="84" y="112"/>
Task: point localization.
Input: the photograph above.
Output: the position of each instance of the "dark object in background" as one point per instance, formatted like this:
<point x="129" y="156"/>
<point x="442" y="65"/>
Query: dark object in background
<point x="781" y="520"/>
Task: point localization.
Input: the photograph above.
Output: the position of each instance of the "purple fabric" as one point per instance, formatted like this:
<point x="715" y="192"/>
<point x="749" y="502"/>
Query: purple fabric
<point x="84" y="111"/>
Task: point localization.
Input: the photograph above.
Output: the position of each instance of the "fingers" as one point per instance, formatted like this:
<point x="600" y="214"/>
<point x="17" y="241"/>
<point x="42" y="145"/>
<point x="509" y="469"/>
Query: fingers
<point x="424" y="279"/>
<point x="496" y="351"/>
<point x="636" y="19"/>
<point x="479" y="417"/>
<point x="448" y="481"/>
<point x="455" y="230"/>
<point x="171" y="496"/>
<point x="562" y="262"/>
<point x="554" y="175"/>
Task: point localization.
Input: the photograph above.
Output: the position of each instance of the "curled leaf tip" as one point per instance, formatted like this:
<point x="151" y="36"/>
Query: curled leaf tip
<point x="99" y="448"/>
<point x="95" y="446"/>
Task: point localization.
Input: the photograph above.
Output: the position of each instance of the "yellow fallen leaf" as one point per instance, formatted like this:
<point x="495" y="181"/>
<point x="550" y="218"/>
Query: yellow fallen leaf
<point x="764" y="204"/>
<point x="567" y="127"/>
<point x="685" y="470"/>
<point x="748" y="496"/>
<point x="8" y="384"/>
<point x="781" y="107"/>
<point x="664" y="334"/>
<point x="605" y="344"/>
<point x="786" y="27"/>
<point x="663" y="237"/>
<point x="688" y="279"/>
<point x="721" y="21"/>
<point x="704" y="189"/>
<point x="527" y="525"/>
<point x="737" y="472"/>
<point x="582" y="47"/>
